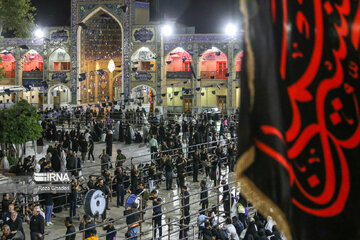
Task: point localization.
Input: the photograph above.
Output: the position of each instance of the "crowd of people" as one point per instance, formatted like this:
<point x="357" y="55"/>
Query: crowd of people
<point x="181" y="148"/>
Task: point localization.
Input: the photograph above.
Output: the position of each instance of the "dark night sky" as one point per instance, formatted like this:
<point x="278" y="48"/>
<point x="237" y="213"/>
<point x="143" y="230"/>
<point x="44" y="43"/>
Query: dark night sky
<point x="208" y="16"/>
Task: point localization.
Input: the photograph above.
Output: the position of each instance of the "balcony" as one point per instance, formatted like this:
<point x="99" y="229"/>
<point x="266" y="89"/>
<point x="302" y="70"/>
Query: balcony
<point x="33" y="74"/>
<point x="213" y="75"/>
<point x="179" y="75"/>
<point x="9" y="74"/>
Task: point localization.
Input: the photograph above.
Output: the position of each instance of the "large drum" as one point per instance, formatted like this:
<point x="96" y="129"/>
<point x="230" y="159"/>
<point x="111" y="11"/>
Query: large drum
<point x="95" y="203"/>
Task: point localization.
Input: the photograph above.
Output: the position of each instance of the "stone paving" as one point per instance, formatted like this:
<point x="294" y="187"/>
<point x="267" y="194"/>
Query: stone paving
<point x="140" y="153"/>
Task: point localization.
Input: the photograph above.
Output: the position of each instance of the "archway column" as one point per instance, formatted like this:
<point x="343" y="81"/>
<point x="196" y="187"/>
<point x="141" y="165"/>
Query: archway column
<point x="229" y="99"/>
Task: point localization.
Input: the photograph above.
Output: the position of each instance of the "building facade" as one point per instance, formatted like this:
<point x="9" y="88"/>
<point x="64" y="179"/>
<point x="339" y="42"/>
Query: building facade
<point x="112" y="52"/>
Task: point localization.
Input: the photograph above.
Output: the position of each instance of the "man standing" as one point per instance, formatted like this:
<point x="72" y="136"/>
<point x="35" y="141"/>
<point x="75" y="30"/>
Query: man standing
<point x="185" y="201"/>
<point x="120" y="190"/>
<point x="180" y="167"/>
<point x="132" y="220"/>
<point x="87" y="224"/>
<point x="70" y="229"/>
<point x="91" y="149"/>
<point x="83" y="148"/>
<point x="153" y="144"/>
<point x="109" y="141"/>
<point x="105" y="160"/>
<point x="169" y="172"/>
<point x="36" y="224"/>
<point x="120" y="158"/>
<point x="49" y="207"/>
<point x="196" y="162"/>
<point x="204" y="202"/>
<point x="102" y="187"/>
<point x="157" y="213"/>
<point x="73" y="197"/>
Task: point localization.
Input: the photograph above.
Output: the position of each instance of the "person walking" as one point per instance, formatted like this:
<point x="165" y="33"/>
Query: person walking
<point x="204" y="202"/>
<point x="49" y="208"/>
<point x="153" y="144"/>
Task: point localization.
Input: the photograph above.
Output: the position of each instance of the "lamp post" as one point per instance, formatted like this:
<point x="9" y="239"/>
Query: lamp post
<point x="166" y="30"/>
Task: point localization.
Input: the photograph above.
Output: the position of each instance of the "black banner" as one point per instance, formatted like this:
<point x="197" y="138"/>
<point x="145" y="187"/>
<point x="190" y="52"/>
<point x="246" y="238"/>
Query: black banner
<point x="299" y="123"/>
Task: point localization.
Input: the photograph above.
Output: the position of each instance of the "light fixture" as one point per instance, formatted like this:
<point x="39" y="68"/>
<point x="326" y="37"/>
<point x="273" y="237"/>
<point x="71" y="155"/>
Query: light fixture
<point x="167" y="30"/>
<point x="39" y="33"/>
<point x="231" y="29"/>
<point x="111" y="65"/>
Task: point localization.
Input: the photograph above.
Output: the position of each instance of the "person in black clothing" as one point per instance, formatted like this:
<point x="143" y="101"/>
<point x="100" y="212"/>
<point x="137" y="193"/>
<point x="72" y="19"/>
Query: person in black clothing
<point x="120" y="189"/>
<point x="204" y="202"/>
<point x="70" y="229"/>
<point x="157" y="213"/>
<point x="91" y="183"/>
<point x="180" y="166"/>
<point x="73" y="197"/>
<point x="75" y="144"/>
<point x="36" y="223"/>
<point x="5" y="205"/>
<point x="83" y="148"/>
<point x="91" y="149"/>
<point x="87" y="224"/>
<point x="132" y="218"/>
<point x="109" y="141"/>
<point x="169" y="172"/>
<point x="226" y="198"/>
<point x="185" y="220"/>
<point x="134" y="178"/>
<point x="15" y="223"/>
<point x="102" y="187"/>
<point x="196" y="163"/>
<point x="110" y="230"/>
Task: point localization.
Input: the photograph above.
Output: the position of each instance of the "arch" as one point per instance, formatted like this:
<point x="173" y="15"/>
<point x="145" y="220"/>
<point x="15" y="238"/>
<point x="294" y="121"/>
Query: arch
<point x="238" y="61"/>
<point x="59" y="60"/>
<point x="144" y="96"/>
<point x="178" y="60"/>
<point x="213" y="64"/>
<point x="143" y="59"/>
<point x="32" y="61"/>
<point x="101" y="56"/>
<point x="8" y="63"/>
<point x="64" y="91"/>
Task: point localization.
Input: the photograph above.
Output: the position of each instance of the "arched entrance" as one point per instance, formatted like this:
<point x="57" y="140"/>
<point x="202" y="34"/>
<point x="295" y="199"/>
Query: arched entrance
<point x="59" y="60"/>
<point x="143" y="60"/>
<point x="59" y="95"/>
<point x="99" y="43"/>
<point x="8" y="63"/>
<point x="144" y="96"/>
<point x="178" y="61"/>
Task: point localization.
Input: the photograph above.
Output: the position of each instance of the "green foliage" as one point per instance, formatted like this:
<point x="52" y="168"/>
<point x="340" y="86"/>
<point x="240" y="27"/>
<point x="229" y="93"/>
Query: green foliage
<point x="19" y="124"/>
<point x="17" y="16"/>
<point x="11" y="160"/>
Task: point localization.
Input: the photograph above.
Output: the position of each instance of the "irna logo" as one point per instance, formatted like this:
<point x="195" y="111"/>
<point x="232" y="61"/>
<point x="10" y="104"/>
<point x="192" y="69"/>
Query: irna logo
<point x="52" y="177"/>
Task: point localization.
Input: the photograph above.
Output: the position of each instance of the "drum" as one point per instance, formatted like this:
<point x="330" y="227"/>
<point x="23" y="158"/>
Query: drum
<point x="131" y="199"/>
<point x="94" y="203"/>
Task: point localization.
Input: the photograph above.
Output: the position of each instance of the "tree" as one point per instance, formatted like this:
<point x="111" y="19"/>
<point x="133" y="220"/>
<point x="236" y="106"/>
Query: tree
<point x="17" y="16"/>
<point x="18" y="125"/>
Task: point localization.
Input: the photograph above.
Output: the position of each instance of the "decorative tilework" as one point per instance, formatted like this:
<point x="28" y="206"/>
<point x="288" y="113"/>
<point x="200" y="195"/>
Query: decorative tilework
<point x="142" y="5"/>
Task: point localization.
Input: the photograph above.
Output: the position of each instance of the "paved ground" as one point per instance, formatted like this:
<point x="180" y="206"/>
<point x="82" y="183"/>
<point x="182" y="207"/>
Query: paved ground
<point x="140" y="153"/>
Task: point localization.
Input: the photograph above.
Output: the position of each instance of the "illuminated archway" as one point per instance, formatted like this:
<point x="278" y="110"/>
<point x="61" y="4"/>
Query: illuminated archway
<point x="59" y="60"/>
<point x="59" y="94"/>
<point x="144" y="96"/>
<point x="178" y="60"/>
<point x="8" y="63"/>
<point x="213" y="64"/>
<point x="99" y="43"/>
<point x="32" y="62"/>
<point x="143" y="60"/>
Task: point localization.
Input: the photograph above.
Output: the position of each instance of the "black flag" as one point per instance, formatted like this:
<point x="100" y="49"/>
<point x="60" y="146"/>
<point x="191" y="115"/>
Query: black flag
<point x="299" y="122"/>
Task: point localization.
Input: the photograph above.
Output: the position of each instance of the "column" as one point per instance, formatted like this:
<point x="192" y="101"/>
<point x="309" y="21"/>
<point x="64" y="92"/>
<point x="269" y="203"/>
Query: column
<point x="229" y="99"/>
<point x="196" y="95"/>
